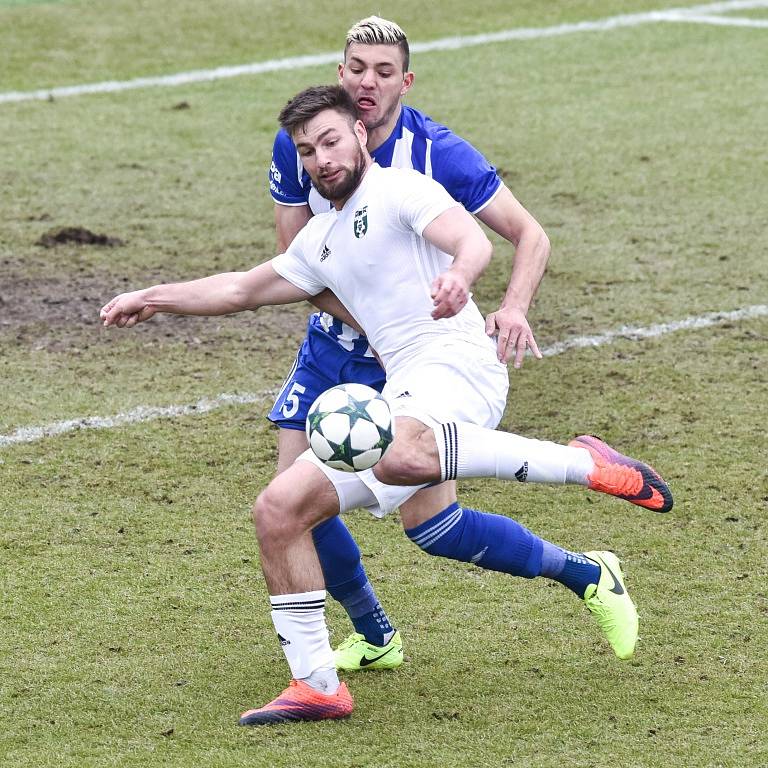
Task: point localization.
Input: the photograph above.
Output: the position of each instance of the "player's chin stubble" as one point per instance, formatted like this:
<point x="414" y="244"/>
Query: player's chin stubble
<point x="345" y="186"/>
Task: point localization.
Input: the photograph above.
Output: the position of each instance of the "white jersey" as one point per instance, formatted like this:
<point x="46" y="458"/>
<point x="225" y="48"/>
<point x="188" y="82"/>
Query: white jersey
<point x="372" y="256"/>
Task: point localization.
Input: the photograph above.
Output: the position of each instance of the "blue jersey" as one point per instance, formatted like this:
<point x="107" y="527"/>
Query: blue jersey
<point x="416" y="142"/>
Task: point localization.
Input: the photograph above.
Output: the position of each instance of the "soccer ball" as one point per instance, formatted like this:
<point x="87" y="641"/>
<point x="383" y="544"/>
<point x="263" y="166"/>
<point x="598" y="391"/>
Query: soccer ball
<point x="349" y="427"/>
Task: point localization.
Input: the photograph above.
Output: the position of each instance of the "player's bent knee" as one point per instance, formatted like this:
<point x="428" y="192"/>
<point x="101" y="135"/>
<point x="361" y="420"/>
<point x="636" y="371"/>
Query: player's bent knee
<point x="260" y="516"/>
<point x="403" y="468"/>
<point x="412" y="458"/>
<point x="273" y="522"/>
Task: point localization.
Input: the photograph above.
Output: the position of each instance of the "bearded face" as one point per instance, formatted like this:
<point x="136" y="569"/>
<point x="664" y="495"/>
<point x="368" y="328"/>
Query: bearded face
<point x="331" y="146"/>
<point x="339" y="180"/>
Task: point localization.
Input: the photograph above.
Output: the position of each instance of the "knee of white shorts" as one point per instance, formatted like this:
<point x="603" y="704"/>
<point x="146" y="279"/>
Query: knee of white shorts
<point x="358" y="490"/>
<point x="411" y="408"/>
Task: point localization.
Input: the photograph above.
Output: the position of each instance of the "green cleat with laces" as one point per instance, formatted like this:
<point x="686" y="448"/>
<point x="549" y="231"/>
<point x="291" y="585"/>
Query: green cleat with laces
<point x="356" y="653"/>
<point x="610" y="604"/>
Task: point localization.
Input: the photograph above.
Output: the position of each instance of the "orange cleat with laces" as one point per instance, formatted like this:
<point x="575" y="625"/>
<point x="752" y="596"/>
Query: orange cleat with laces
<point x="300" y="701"/>
<point x="626" y="478"/>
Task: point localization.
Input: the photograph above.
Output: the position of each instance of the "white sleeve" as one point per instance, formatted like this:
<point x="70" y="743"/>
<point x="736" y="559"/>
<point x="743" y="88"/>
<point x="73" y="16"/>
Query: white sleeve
<point x="422" y="200"/>
<point x="295" y="268"/>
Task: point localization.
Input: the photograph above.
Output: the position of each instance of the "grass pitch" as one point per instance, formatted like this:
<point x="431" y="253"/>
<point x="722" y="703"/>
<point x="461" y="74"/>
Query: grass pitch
<point x="134" y="624"/>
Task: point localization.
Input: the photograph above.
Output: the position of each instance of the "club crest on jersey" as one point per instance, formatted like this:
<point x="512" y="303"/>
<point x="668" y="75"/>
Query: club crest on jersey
<point x="360" y="224"/>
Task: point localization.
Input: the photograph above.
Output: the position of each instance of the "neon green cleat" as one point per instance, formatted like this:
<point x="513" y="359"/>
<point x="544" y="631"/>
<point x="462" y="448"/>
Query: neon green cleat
<point x="357" y="653"/>
<point x="610" y="604"/>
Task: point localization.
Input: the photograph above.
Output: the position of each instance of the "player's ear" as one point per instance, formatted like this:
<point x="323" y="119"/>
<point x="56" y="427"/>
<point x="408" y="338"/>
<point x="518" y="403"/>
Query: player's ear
<point x="341" y="72"/>
<point x="361" y="133"/>
<point x="408" y="78"/>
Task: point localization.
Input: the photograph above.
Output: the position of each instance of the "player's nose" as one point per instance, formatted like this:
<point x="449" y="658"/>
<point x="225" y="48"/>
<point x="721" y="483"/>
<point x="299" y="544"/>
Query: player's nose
<point x="368" y="80"/>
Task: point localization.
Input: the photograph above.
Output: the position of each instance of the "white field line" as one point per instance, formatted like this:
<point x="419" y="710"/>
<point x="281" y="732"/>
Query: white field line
<point x="720" y="21"/>
<point x="134" y="416"/>
<point x="696" y="14"/>
<point x="660" y="329"/>
<point x="722" y="7"/>
<point x="145" y="413"/>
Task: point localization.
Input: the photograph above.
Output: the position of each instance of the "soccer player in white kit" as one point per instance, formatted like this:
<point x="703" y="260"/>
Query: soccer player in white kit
<point x="375" y="72"/>
<point x="401" y="255"/>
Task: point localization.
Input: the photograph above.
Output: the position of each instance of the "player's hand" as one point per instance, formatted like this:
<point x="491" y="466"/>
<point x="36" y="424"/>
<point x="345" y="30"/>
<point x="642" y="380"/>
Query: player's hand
<point x="126" y="310"/>
<point x="450" y="293"/>
<point x="513" y="335"/>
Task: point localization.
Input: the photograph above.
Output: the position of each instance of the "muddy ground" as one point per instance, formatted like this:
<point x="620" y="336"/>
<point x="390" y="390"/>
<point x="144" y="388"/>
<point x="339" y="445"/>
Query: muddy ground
<point x="53" y="308"/>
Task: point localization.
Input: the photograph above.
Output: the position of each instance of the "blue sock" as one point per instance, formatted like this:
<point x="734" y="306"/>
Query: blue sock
<point x="368" y="616"/>
<point x="489" y="541"/>
<point x="569" y="568"/>
<point x="347" y="581"/>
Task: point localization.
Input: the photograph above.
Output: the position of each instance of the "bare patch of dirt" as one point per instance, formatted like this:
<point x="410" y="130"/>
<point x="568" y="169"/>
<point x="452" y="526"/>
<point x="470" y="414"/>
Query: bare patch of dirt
<point x="60" y="312"/>
<point x="78" y="236"/>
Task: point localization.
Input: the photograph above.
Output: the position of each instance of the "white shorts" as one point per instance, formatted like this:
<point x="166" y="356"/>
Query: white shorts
<point x="361" y="490"/>
<point x="457" y="381"/>
<point x="454" y="380"/>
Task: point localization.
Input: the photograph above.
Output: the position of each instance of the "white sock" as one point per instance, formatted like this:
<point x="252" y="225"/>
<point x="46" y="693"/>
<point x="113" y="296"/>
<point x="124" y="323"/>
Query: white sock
<point x="300" y="623"/>
<point x="467" y="450"/>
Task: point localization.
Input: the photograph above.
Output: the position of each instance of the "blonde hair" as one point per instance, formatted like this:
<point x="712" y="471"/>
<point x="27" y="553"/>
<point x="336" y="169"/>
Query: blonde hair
<point x="374" y="30"/>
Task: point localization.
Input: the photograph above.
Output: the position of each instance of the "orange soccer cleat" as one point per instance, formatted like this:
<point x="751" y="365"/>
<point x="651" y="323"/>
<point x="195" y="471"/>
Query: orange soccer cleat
<point x="621" y="476"/>
<point x="300" y="701"/>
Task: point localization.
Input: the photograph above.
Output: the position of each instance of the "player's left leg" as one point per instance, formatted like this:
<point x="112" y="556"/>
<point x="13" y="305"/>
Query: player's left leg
<point x="501" y="544"/>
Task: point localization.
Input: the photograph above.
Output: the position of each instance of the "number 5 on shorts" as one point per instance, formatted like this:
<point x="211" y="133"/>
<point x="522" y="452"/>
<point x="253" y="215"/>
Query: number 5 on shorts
<point x="291" y="404"/>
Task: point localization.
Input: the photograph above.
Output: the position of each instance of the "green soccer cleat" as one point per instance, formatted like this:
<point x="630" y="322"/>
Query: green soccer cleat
<point x="357" y="653"/>
<point x="610" y="604"/>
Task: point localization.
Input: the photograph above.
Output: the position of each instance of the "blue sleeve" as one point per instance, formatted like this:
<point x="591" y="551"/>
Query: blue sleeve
<point x="463" y="171"/>
<point x="288" y="184"/>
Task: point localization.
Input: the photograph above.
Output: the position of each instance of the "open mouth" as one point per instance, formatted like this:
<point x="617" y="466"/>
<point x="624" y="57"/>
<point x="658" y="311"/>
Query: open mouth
<point x="366" y="102"/>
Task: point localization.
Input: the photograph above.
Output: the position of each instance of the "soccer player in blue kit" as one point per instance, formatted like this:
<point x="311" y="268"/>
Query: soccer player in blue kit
<point x="375" y="73"/>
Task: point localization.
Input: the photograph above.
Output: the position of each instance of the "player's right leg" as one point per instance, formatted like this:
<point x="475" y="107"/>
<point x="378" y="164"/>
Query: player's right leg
<point x="321" y="364"/>
<point x="459" y="449"/>
<point x="466" y="450"/>
<point x="284" y="514"/>
<point x="461" y="393"/>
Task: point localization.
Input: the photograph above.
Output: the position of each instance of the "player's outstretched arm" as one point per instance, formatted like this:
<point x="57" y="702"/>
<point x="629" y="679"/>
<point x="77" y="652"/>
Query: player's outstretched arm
<point x="221" y="294"/>
<point x="456" y="232"/>
<point x="508" y="218"/>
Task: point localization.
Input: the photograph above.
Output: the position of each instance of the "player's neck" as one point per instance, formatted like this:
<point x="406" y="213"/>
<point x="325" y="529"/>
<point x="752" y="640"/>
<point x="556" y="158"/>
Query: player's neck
<point x="377" y="136"/>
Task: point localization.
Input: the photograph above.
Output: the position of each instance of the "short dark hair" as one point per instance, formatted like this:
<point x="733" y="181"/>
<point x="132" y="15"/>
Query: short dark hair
<point x="311" y="102"/>
<point x="374" y="30"/>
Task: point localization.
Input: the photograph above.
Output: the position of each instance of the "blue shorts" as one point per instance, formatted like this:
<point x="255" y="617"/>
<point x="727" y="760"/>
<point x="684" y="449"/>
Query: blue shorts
<point x="321" y="364"/>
